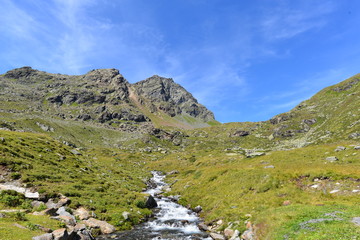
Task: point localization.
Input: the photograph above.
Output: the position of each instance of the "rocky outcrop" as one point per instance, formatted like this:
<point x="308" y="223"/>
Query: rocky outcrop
<point x="163" y="94"/>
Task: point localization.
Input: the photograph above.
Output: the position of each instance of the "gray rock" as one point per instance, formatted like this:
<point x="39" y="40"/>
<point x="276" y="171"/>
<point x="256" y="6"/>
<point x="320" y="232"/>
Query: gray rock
<point x="340" y="148"/>
<point x="50" y="212"/>
<point x="62" y="212"/>
<point x="82" y="213"/>
<point x="270" y="166"/>
<point x="356" y="221"/>
<point x="332" y="159"/>
<point x="248" y="235"/>
<point x="240" y="133"/>
<point x="354" y="135"/>
<point x="251" y="154"/>
<point x="105" y="227"/>
<point x="357" y="147"/>
<point x="60" y="234"/>
<point x="62" y="202"/>
<point x="197" y="209"/>
<point x="50" y="203"/>
<point x="151" y="202"/>
<point x="173" y="172"/>
<point x="228" y="232"/>
<point x="46" y="236"/>
<point x="75" y="152"/>
<point x="36" y="204"/>
<point x="217" y="236"/>
<point x="310" y="121"/>
<point x="203" y="227"/>
<point x="69" y="221"/>
<point x="235" y="236"/>
<point x="126" y="215"/>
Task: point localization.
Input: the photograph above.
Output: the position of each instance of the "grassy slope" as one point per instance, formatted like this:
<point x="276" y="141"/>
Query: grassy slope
<point x="229" y="186"/>
<point x="215" y="173"/>
<point x="103" y="180"/>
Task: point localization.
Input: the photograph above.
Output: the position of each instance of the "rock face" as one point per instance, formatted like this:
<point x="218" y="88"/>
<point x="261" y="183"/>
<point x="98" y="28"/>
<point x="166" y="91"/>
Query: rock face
<point x="165" y="95"/>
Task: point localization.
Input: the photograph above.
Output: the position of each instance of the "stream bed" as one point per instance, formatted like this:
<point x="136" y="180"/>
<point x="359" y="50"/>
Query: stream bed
<point x="171" y="221"/>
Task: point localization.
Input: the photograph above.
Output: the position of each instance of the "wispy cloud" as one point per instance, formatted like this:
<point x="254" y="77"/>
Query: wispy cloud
<point x="287" y="21"/>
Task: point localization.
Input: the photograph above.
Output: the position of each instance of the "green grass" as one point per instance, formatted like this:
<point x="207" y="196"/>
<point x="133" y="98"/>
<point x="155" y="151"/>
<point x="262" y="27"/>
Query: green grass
<point x="90" y="180"/>
<point x="231" y="187"/>
<point x="9" y="231"/>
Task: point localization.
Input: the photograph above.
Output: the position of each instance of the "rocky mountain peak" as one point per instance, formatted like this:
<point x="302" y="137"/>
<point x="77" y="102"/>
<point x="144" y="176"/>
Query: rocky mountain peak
<point x="167" y="96"/>
<point x="18" y="73"/>
<point x="107" y="76"/>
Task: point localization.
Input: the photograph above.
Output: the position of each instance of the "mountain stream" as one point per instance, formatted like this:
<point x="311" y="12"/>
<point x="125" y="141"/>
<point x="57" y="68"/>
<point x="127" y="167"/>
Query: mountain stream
<point x="171" y="221"/>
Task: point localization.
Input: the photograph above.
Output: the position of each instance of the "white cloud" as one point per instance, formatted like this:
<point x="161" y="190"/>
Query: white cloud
<point x="15" y="22"/>
<point x="286" y="21"/>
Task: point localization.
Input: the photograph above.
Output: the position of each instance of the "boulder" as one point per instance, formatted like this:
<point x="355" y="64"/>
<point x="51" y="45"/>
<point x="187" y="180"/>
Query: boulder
<point x="356" y="221"/>
<point x="126" y="215"/>
<point x="46" y="236"/>
<point x="197" y="209"/>
<point x="248" y="235"/>
<point x="62" y="202"/>
<point x="228" y="232"/>
<point x="173" y="172"/>
<point x="82" y="213"/>
<point x="240" y="133"/>
<point x="235" y="236"/>
<point x="310" y="121"/>
<point x="60" y="234"/>
<point x="340" y="148"/>
<point x="151" y="202"/>
<point x="105" y="227"/>
<point x="251" y="154"/>
<point x="270" y="166"/>
<point x="355" y="135"/>
<point x="50" y="203"/>
<point x="69" y="221"/>
<point x="62" y="212"/>
<point x="203" y="227"/>
<point x="357" y="147"/>
<point x="332" y="159"/>
<point x="75" y="152"/>
<point x="217" y="236"/>
<point x="49" y="211"/>
<point x="36" y="204"/>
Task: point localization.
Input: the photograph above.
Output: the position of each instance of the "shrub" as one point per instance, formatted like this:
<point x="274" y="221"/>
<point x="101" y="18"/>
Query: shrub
<point x="15" y="176"/>
<point x="32" y="226"/>
<point x="140" y="204"/>
<point x="11" y="198"/>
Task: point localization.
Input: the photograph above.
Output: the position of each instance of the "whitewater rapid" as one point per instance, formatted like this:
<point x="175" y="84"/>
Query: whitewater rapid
<point x="171" y="221"/>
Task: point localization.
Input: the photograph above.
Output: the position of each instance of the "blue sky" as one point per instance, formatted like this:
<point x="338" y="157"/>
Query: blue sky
<point x="245" y="60"/>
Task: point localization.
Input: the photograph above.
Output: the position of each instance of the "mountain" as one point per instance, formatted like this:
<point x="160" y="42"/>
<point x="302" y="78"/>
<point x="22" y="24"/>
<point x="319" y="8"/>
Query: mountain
<point x="37" y="101"/>
<point x="95" y="136"/>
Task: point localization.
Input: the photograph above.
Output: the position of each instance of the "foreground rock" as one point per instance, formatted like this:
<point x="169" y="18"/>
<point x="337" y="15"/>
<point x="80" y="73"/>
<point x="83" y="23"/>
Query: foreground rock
<point x="217" y="236"/>
<point x="151" y="202"/>
<point x="105" y="227"/>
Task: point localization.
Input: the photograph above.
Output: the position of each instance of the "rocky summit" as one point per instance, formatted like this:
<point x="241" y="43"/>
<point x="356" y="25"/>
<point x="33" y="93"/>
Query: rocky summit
<point x="78" y="154"/>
